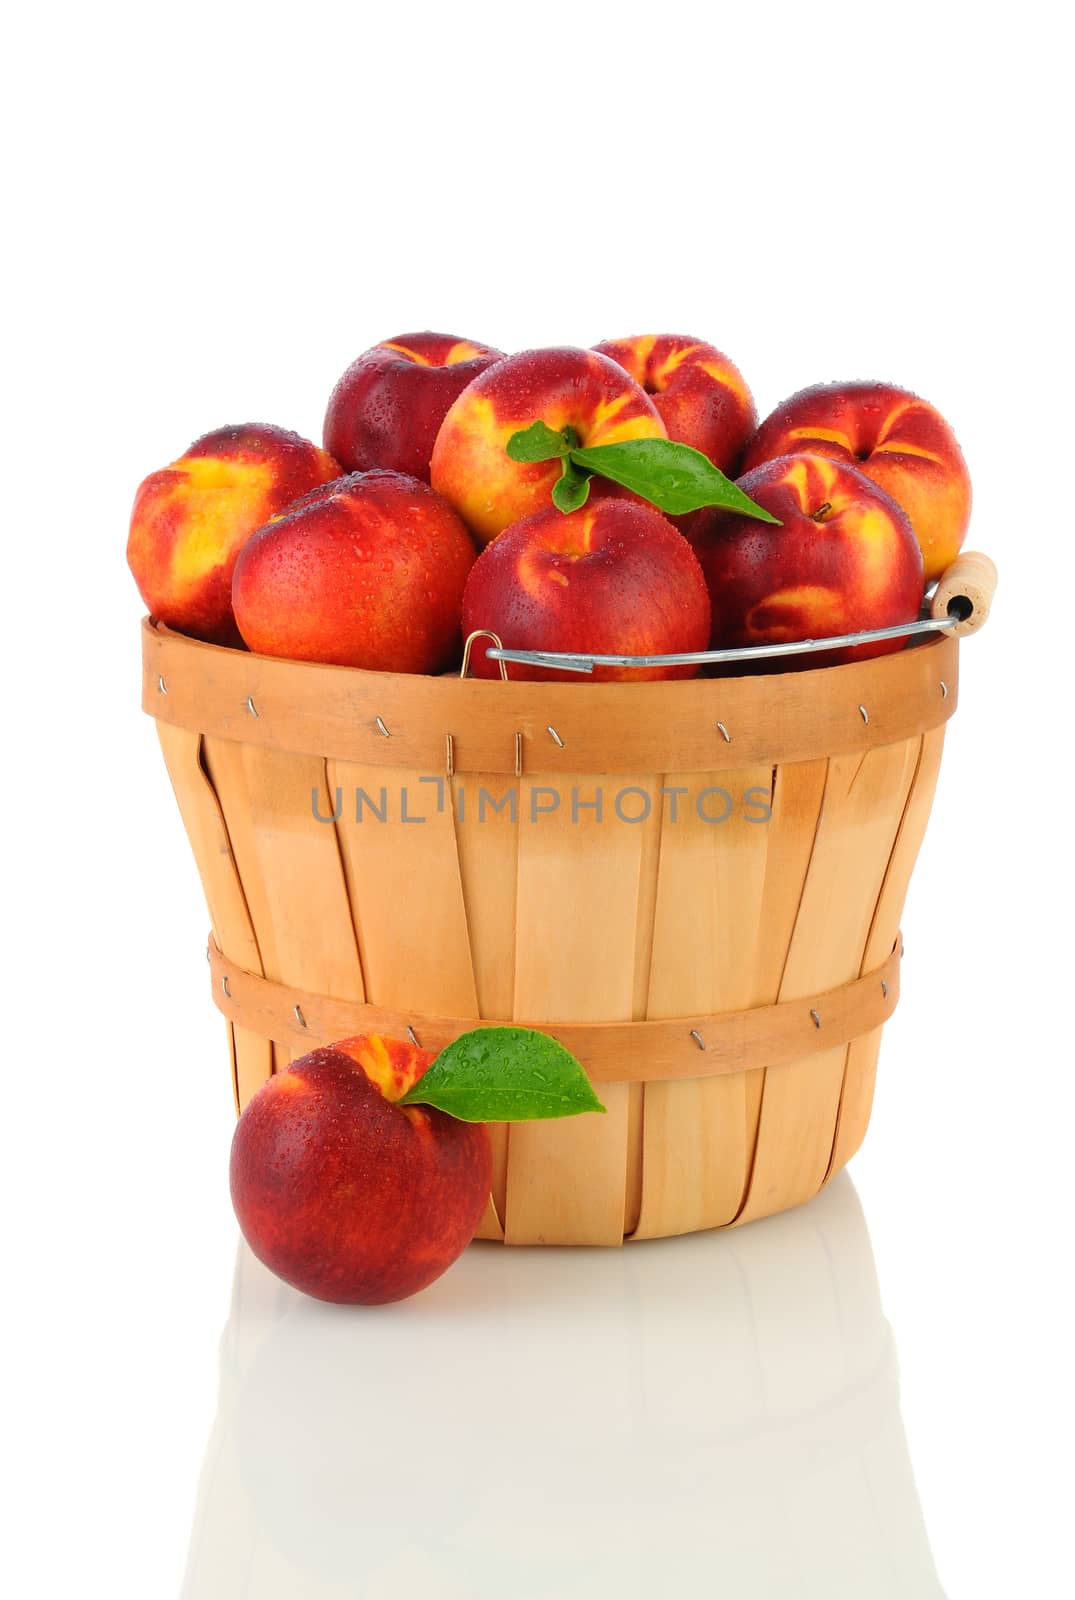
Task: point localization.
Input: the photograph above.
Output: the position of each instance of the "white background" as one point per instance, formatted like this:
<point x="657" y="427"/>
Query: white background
<point x="212" y="209"/>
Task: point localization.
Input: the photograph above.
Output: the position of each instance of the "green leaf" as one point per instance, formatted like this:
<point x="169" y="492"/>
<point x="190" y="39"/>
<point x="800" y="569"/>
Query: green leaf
<point x="572" y="489"/>
<point x="675" y="477"/>
<point x="504" y="1075"/>
<point x="540" y="443"/>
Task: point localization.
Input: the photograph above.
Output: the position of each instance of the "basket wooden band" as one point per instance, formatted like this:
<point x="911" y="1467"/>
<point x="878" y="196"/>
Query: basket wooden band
<point x="427" y="724"/>
<point x="611" y="1052"/>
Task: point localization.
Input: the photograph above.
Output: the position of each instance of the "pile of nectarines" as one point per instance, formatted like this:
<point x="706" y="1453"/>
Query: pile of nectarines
<point x="431" y="512"/>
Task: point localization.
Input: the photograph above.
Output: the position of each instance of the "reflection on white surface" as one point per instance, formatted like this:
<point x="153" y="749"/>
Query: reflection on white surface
<point x="717" y="1414"/>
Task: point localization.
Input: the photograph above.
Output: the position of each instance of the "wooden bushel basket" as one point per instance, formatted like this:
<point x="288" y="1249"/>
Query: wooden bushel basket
<point x="696" y="886"/>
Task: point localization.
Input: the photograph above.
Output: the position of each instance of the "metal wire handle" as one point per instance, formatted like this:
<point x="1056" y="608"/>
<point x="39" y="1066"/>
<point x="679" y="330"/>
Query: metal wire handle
<point x="573" y="662"/>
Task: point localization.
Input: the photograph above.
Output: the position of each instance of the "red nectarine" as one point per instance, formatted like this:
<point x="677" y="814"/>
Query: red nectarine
<point x="844" y="560"/>
<point x="190" y="520"/>
<point x="347" y="1196"/>
<point x="612" y="579"/>
<point x="386" y="409"/>
<point x="563" y="387"/>
<point x="700" y="395"/>
<point x="366" y="572"/>
<point x="899" y="441"/>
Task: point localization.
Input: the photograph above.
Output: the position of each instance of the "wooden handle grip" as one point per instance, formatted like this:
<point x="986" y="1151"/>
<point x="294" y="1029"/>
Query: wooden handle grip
<point x="966" y="591"/>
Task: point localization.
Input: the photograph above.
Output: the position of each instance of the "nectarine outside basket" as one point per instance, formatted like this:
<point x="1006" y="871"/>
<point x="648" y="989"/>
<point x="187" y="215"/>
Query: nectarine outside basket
<point x="696" y="886"/>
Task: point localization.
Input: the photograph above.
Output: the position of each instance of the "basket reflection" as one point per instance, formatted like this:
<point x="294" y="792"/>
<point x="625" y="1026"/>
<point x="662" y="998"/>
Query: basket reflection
<point x="715" y="1414"/>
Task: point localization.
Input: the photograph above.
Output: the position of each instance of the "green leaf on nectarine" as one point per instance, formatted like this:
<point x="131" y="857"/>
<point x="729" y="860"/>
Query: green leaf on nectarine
<point x="674" y="477"/>
<point x="572" y="489"/>
<point x="504" y="1075"/>
<point x="539" y="442"/>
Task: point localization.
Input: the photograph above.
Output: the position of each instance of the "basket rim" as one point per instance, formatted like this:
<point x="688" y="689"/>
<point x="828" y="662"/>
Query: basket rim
<point x="449" y="724"/>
